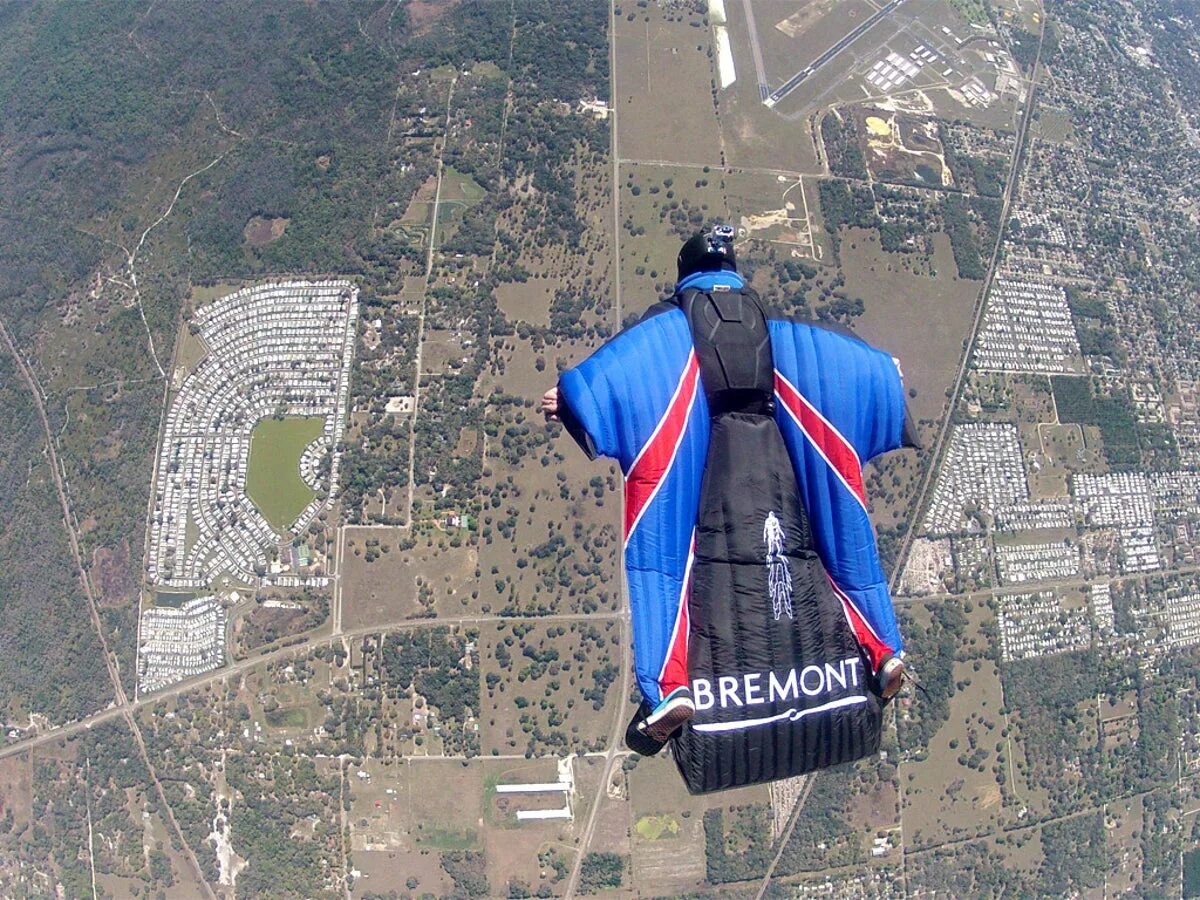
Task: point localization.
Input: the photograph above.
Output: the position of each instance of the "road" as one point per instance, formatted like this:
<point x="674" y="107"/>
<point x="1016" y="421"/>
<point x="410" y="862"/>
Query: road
<point x="110" y="662"/>
<point x="182" y="687"/>
<point x="760" y="70"/>
<point x="939" y="446"/>
<point x="437" y="199"/>
<point x="787" y="834"/>
<point x="614" y="740"/>
<point x="795" y="81"/>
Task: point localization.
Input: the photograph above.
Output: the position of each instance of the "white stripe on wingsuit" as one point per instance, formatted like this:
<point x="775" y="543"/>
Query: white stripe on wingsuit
<point x="842" y="478"/>
<point x="687" y="573"/>
<point x="815" y="445"/>
<point x="846" y="597"/>
<point x="793" y="715"/>
<point x="670" y="463"/>
<point x="663" y="418"/>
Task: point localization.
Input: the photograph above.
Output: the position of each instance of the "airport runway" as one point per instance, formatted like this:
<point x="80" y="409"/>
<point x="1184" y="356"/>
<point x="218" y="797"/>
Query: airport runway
<point x="795" y="81"/>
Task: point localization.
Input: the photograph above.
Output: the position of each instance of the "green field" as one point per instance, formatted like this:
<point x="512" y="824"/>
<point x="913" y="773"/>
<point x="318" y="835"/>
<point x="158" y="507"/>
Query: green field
<point x="273" y="474"/>
<point x="652" y="828"/>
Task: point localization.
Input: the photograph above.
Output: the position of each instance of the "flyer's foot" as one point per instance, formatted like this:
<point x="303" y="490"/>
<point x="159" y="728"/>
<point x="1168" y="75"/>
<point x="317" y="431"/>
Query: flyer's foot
<point x="636" y="738"/>
<point x="891" y="677"/>
<point x="675" y="709"/>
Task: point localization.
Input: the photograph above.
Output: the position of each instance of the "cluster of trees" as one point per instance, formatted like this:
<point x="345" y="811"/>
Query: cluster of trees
<point x="1113" y="413"/>
<point x="933" y="648"/>
<point x="50" y="659"/>
<point x="744" y="850"/>
<point x="275" y="795"/>
<point x="1074" y="856"/>
<point x="963" y="242"/>
<point x="840" y="138"/>
<point x="825" y="835"/>
<point x="973" y="869"/>
<point x="430" y="661"/>
<point x="468" y="870"/>
<point x="846" y="205"/>
<point x="601" y="871"/>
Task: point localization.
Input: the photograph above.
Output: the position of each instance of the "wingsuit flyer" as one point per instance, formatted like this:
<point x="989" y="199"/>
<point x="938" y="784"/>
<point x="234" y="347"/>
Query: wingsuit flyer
<point x="765" y="641"/>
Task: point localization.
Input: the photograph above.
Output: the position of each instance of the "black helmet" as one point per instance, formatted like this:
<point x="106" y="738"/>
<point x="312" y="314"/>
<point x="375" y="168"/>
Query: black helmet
<point x="707" y="251"/>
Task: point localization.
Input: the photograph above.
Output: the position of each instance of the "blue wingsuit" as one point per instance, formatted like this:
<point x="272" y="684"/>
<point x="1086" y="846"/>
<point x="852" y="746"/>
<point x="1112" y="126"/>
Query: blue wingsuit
<point x="638" y="400"/>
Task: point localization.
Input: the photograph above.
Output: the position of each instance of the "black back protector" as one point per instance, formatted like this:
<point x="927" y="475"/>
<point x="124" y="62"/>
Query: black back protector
<point x="780" y="684"/>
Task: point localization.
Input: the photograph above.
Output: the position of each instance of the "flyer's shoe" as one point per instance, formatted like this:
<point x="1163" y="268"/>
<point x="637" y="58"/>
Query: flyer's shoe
<point x="636" y="738"/>
<point x="675" y="709"/>
<point x="891" y="677"/>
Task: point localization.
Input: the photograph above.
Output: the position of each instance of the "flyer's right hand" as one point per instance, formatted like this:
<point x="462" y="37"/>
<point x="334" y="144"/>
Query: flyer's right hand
<point x="550" y="405"/>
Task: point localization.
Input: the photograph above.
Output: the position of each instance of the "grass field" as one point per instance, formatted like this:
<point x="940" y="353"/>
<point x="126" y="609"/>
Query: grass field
<point x="660" y="207"/>
<point x="273" y="479"/>
<point x="921" y="320"/>
<point x="654" y="828"/>
<point x="663" y="86"/>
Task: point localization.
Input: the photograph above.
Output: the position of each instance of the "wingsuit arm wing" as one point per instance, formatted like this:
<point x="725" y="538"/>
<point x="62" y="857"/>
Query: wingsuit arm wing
<point x="874" y="382"/>
<point x="637" y="400"/>
<point x="841" y="403"/>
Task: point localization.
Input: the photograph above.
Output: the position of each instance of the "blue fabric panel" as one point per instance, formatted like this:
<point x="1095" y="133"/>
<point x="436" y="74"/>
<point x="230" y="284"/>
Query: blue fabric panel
<point x="857" y="389"/>
<point x="619" y="394"/>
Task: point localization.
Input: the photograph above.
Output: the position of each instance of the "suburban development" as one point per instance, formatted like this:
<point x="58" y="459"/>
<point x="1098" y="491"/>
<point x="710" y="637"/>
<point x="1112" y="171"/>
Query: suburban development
<point x="300" y="595"/>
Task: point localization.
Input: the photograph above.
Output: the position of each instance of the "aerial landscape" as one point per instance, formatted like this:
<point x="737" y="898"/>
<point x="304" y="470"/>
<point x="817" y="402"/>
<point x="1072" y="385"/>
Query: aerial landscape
<point x="300" y="594"/>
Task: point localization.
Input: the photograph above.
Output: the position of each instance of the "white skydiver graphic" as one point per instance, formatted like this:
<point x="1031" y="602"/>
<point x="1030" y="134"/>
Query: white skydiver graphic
<point x="779" y="574"/>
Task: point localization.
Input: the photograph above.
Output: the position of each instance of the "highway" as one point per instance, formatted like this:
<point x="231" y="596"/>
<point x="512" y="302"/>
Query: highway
<point x="794" y="82"/>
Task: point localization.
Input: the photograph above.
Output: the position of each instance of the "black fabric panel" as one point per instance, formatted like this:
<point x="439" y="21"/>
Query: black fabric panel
<point x="740" y="634"/>
<point x="733" y="348"/>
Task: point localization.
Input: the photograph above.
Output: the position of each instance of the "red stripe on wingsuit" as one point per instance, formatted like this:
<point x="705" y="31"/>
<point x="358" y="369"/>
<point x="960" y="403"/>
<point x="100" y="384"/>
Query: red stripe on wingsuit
<point x="827" y="439"/>
<point x="877" y="651"/>
<point x="655" y="459"/>
<point x="674" y="672"/>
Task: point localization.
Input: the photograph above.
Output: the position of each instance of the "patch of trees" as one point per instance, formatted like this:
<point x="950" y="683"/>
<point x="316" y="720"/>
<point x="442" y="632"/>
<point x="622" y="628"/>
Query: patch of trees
<point x="744" y="851"/>
<point x="1046" y="694"/>
<point x="846" y="205"/>
<point x="1191" y="873"/>
<point x="1113" y="414"/>
<point x="989" y="174"/>
<point x="1024" y="47"/>
<point x="963" y="242"/>
<point x="972" y="869"/>
<point x="842" y="148"/>
<point x="276" y="796"/>
<point x="1074" y="856"/>
<point x="1161" y="844"/>
<point x="824" y="836"/>
<point x="601" y="871"/>
<point x="50" y="659"/>
<point x="468" y="869"/>
<point x="431" y="662"/>
<point x="933" y="648"/>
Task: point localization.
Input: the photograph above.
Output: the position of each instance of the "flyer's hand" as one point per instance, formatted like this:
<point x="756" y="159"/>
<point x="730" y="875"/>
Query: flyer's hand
<point x="550" y="405"/>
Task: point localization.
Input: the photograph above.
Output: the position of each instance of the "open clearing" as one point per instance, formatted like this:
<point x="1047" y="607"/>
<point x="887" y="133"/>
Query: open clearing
<point x="672" y="864"/>
<point x="771" y="208"/>
<point x="946" y="799"/>
<point x="661" y="207"/>
<point x="384" y="583"/>
<point x="404" y="814"/>
<point x="544" y="682"/>
<point x="273" y="479"/>
<point x="663" y="86"/>
<point x="921" y="320"/>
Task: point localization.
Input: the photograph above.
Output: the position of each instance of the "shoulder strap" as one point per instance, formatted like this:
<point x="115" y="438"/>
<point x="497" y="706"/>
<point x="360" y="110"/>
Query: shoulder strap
<point x="733" y="347"/>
